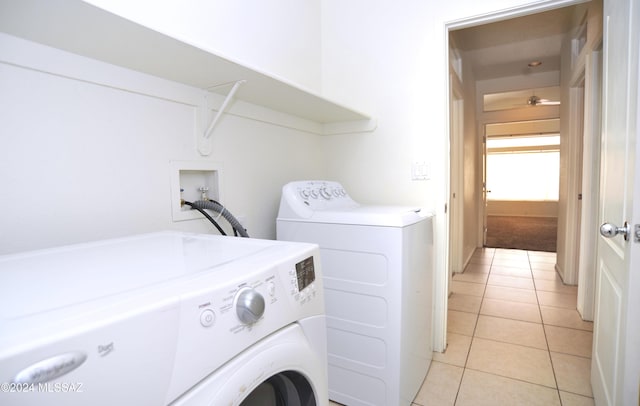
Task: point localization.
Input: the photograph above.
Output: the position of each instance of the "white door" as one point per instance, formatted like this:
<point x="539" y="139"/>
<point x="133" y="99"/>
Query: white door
<point x="615" y="371"/>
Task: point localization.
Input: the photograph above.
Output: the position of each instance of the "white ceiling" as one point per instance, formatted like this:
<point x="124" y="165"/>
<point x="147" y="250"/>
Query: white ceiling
<point x="505" y="48"/>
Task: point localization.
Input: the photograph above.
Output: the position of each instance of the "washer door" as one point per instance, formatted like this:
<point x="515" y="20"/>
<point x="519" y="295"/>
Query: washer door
<point x="284" y="389"/>
<point x="284" y="369"/>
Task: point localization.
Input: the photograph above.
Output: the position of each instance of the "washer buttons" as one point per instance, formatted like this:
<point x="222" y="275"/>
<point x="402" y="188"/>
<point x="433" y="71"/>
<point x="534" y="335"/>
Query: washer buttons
<point x="207" y="318"/>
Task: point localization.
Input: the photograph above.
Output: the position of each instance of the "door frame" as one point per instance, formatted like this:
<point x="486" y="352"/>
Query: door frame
<point x="584" y="117"/>
<point x="590" y="182"/>
<point x="456" y="189"/>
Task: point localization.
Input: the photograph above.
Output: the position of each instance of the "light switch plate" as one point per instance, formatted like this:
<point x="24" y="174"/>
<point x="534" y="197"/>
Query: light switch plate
<point x="420" y="170"/>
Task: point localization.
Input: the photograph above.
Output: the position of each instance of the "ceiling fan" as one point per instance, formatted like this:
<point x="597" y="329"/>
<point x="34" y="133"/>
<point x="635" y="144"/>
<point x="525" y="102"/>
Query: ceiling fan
<point x="521" y="98"/>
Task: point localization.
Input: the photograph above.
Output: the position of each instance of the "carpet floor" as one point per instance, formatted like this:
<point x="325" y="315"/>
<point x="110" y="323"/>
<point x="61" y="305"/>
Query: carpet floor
<point x="524" y="233"/>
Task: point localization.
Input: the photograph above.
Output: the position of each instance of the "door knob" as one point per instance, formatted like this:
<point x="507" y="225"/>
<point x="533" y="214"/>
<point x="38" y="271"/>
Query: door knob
<point x="609" y="230"/>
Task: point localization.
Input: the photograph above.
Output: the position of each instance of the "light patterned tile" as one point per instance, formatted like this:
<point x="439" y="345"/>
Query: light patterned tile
<point x="482" y="260"/>
<point x="510" y="281"/>
<point x="475" y="277"/>
<point x="461" y="322"/>
<point x="465" y="303"/>
<point x="573" y="374"/>
<point x="569" y="341"/>
<point x="483" y="389"/>
<point x="556" y="286"/>
<point x="511" y="254"/>
<point x="511" y="331"/>
<point x="509" y="360"/>
<point x="543" y="266"/>
<point x="546" y="275"/>
<point x="510" y="271"/>
<point x="555" y="299"/>
<point x="441" y="385"/>
<point x="477" y="268"/>
<point x="547" y="257"/>
<point x="571" y="399"/>
<point x="467" y="288"/>
<point x="457" y="350"/>
<point x="511" y="310"/>
<point x="511" y="294"/>
<point x="557" y="316"/>
<point x="511" y="263"/>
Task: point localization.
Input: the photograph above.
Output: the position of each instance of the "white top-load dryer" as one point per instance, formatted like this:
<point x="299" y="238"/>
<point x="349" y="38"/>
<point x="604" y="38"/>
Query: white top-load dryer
<point x="163" y="318"/>
<point x="378" y="270"/>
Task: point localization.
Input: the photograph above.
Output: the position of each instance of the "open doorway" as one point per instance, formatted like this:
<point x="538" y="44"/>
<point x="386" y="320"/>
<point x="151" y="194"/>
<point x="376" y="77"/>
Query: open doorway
<point x="522" y="177"/>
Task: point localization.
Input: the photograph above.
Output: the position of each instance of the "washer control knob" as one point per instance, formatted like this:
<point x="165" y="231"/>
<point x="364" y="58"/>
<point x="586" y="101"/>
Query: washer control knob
<point x="249" y="305"/>
<point x="325" y="193"/>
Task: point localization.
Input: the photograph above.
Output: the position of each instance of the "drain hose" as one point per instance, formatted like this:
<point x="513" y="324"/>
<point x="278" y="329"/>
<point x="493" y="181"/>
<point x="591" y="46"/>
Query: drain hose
<point x="217" y="207"/>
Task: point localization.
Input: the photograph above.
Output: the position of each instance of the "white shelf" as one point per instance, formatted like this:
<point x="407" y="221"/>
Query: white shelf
<point x="83" y="29"/>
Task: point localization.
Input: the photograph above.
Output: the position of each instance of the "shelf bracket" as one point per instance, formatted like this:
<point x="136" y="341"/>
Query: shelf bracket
<point x="234" y="89"/>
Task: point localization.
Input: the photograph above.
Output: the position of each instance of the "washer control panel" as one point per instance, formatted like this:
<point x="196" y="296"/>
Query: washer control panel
<point x="249" y="301"/>
<point x="303" y="278"/>
<point x="217" y="322"/>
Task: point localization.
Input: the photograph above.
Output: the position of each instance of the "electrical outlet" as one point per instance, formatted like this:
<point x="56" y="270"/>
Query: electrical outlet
<point x="189" y="180"/>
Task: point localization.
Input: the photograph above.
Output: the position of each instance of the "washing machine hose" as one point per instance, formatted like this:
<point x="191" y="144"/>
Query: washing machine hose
<point x="217" y="207"/>
<point x="207" y="216"/>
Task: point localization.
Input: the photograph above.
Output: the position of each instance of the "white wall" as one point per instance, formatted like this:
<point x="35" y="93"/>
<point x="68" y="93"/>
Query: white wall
<point x="85" y="152"/>
<point x="387" y="43"/>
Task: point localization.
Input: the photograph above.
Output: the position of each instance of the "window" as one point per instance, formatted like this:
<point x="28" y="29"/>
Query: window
<point x="523" y="167"/>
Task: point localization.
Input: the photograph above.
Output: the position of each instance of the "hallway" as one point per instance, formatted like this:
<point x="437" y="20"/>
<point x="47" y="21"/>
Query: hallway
<point x="514" y="336"/>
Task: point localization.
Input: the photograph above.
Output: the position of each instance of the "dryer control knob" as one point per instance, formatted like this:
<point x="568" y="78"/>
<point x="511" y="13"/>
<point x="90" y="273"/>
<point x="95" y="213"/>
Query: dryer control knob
<point x="249" y="305"/>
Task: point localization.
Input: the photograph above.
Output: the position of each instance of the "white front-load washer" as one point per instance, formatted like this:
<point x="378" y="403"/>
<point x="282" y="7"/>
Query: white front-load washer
<point x="378" y="270"/>
<point x="164" y="318"/>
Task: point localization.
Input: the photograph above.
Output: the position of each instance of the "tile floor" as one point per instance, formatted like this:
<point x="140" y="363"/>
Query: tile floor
<point x="514" y="337"/>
